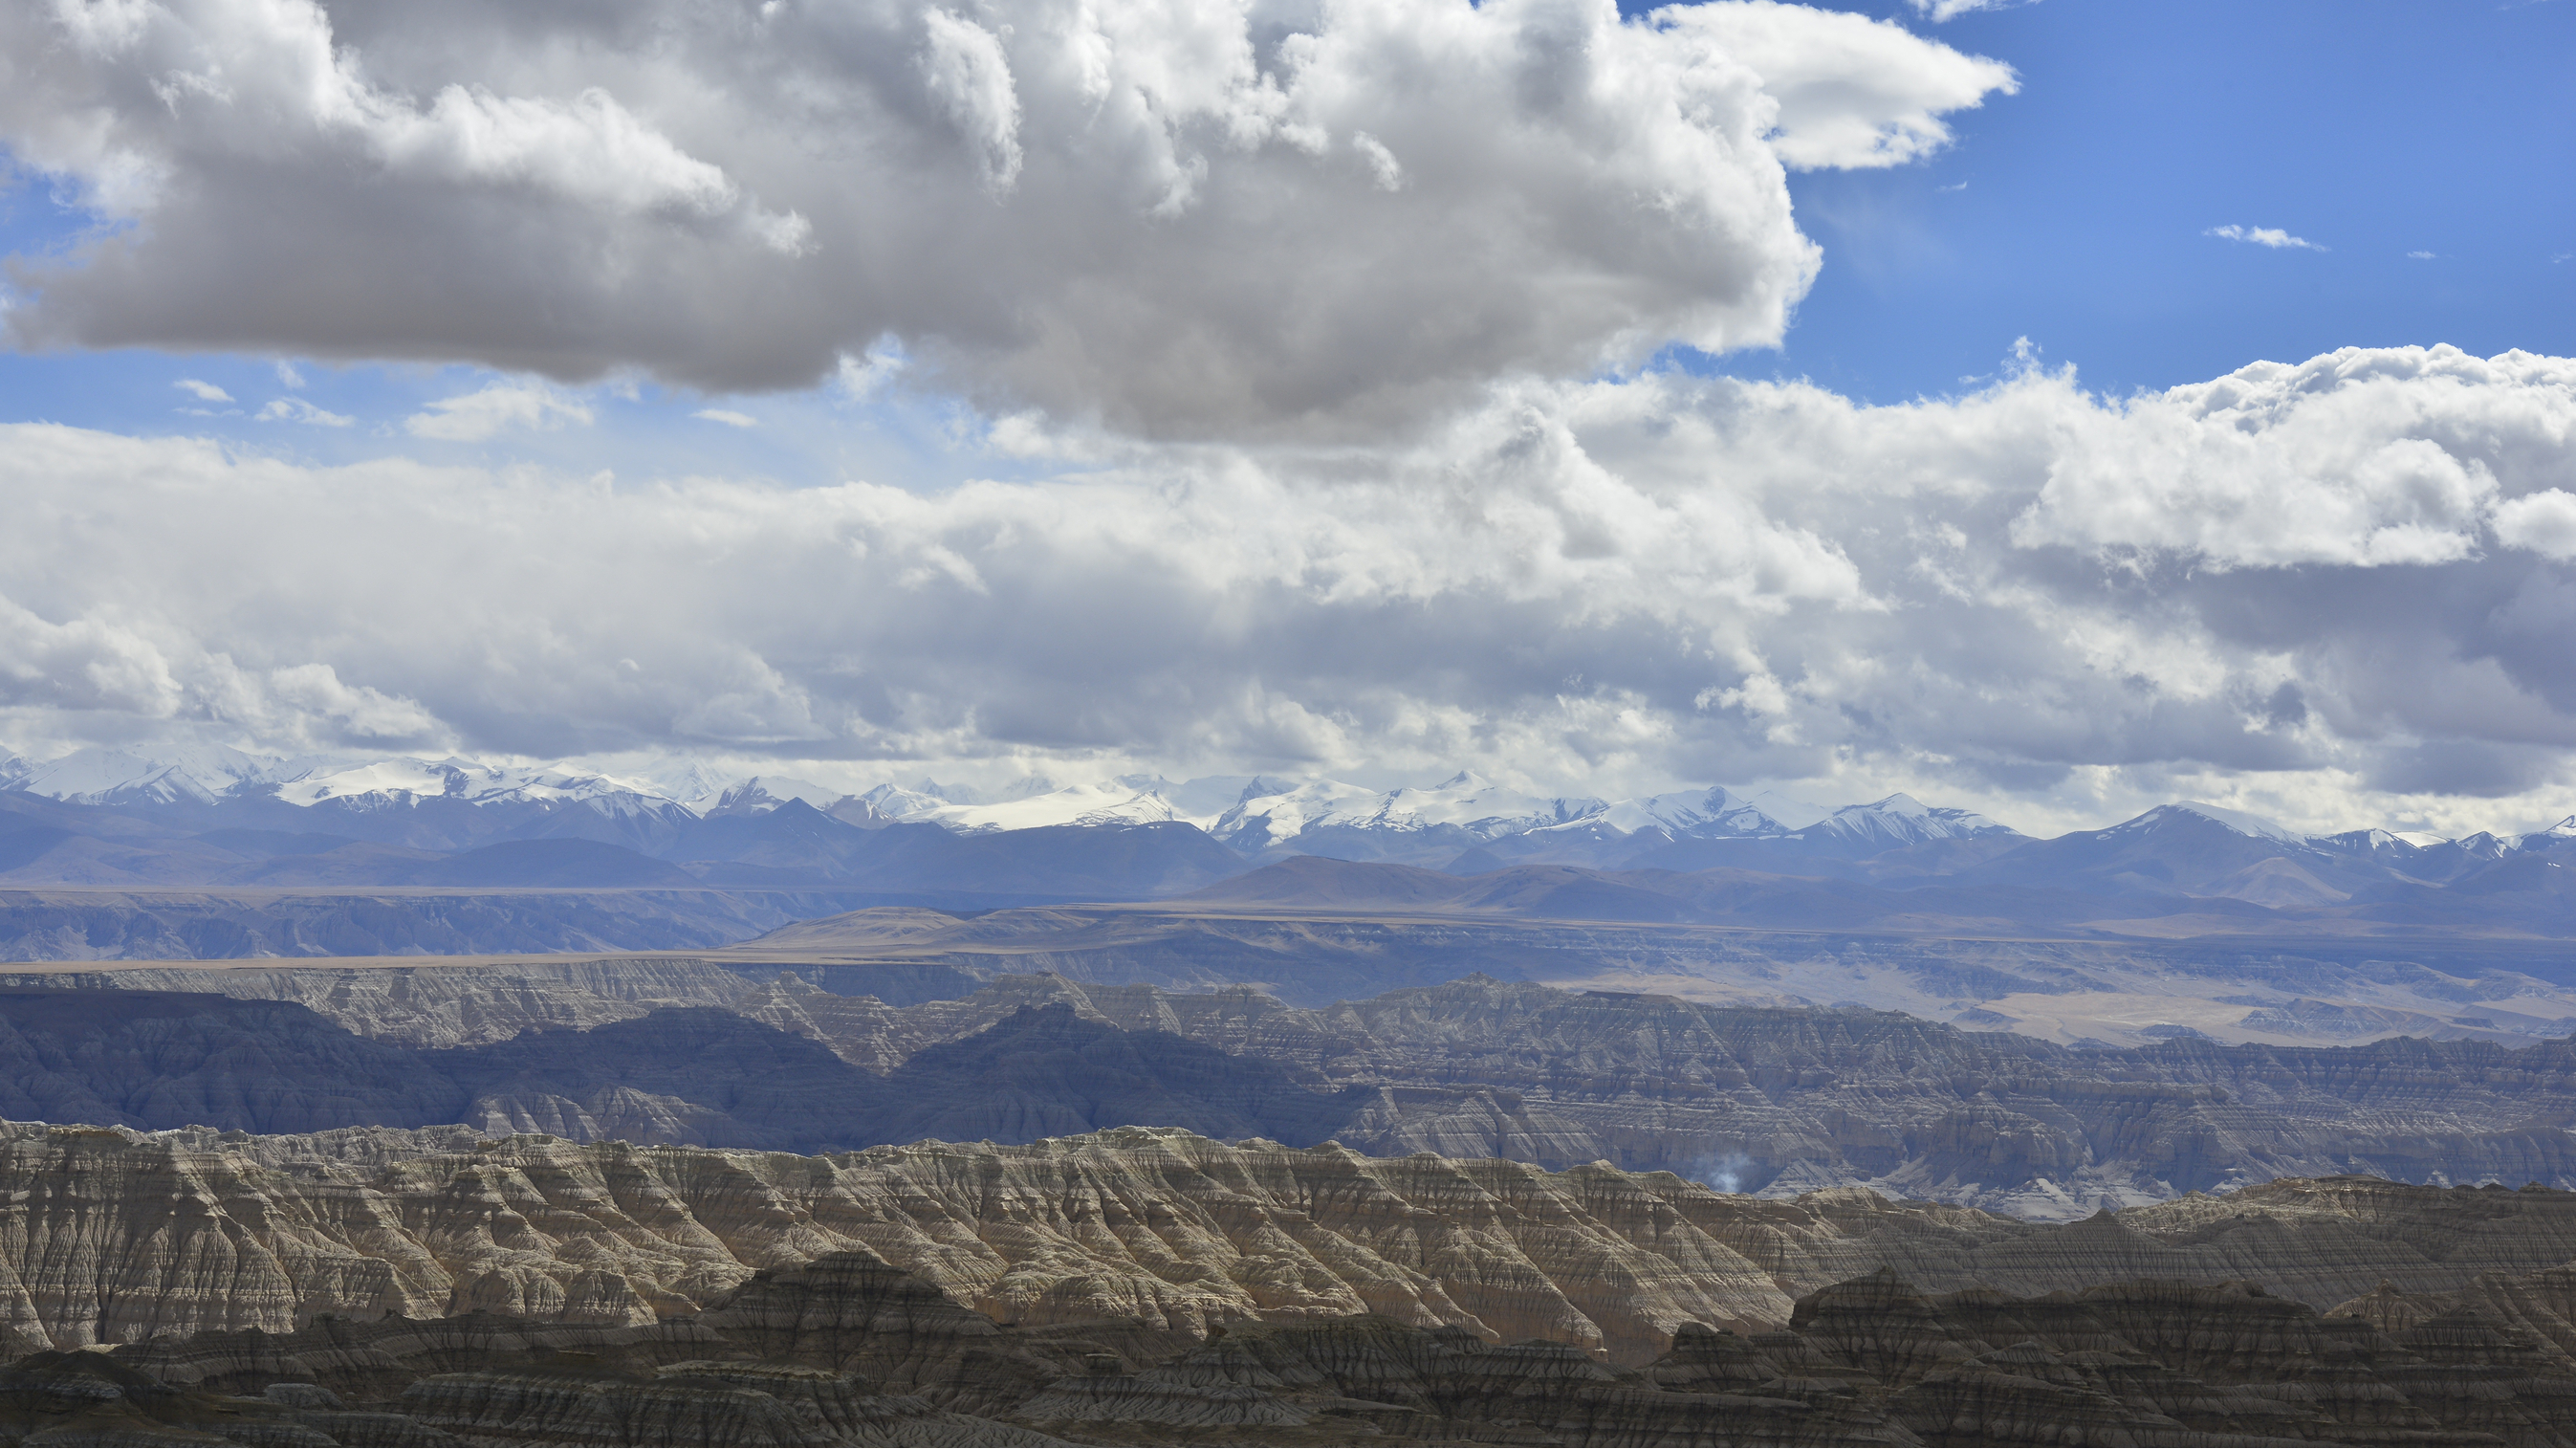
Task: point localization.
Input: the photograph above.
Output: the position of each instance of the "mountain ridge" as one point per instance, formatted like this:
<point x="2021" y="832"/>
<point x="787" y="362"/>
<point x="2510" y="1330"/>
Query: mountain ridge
<point x="1265" y="816"/>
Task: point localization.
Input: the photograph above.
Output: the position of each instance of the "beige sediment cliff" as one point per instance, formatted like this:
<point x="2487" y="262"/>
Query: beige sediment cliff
<point x="112" y="1236"/>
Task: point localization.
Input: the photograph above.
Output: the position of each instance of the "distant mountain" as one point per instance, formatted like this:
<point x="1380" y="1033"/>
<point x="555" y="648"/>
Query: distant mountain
<point x="221" y="818"/>
<point x="591" y="842"/>
<point x="1112" y="803"/>
<point x="113" y="777"/>
<point x="698" y="1075"/>
<point x="1576" y="893"/>
<point x="1418" y="827"/>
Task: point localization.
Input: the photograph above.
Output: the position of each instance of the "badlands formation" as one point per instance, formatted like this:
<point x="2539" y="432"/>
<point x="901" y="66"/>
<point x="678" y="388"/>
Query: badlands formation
<point x="1150" y="1286"/>
<point x="1054" y="1175"/>
<point x="1768" y="1100"/>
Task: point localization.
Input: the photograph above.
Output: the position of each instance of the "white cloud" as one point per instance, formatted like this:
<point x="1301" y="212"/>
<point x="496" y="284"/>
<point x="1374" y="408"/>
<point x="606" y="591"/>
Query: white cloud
<point x="202" y="391"/>
<point x="963" y="65"/>
<point x="297" y="410"/>
<point x="92" y="662"/>
<point x="1852" y="91"/>
<point x="475" y="416"/>
<point x="288" y="375"/>
<point x="1381" y="161"/>
<point x="2359" y="458"/>
<point x="728" y="417"/>
<point x="864" y="376"/>
<point x="1941" y="10"/>
<point x="1098" y="208"/>
<point x="2264" y="236"/>
<point x="2543" y="522"/>
<point x="2342" y="576"/>
<point x="2423" y="256"/>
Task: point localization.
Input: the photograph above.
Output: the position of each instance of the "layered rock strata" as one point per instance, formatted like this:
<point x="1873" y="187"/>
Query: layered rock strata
<point x="1789" y="1101"/>
<point x="677" y="1075"/>
<point x="146" y="924"/>
<point x="437" y="1004"/>
<point x="1869" y="1361"/>
<point x="115" y="1237"/>
<point x="1774" y="1101"/>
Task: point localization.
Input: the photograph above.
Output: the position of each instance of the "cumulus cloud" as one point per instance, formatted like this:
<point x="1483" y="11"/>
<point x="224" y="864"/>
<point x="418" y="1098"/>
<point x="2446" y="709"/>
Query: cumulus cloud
<point x="1100" y="208"/>
<point x="131" y="674"/>
<point x="728" y="417"/>
<point x="2347" y="575"/>
<point x="202" y="391"/>
<point x="2359" y="458"/>
<point x="1941" y="10"/>
<point x="297" y="410"/>
<point x="475" y="416"/>
<point x="2543" y="522"/>
<point x="2263" y="236"/>
<point x="83" y="664"/>
<point x="1852" y="92"/>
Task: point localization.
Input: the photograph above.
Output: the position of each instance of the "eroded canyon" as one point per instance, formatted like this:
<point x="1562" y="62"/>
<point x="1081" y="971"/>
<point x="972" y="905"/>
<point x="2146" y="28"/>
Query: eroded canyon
<point x="1151" y="1286"/>
<point x="1770" y="1100"/>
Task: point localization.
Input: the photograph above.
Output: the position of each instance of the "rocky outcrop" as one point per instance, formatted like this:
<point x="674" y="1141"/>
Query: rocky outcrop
<point x="1779" y="1102"/>
<point x="1154" y="1285"/>
<point x="438" y="1004"/>
<point x="195" y="924"/>
<point x="1791" y="1100"/>
<point x="2162" y="1362"/>
<point x="116" y="1237"/>
<point x="432" y="1003"/>
<point x="1313" y="952"/>
<point x="679" y="1074"/>
<point x="120" y="1237"/>
<point x="1870" y="1361"/>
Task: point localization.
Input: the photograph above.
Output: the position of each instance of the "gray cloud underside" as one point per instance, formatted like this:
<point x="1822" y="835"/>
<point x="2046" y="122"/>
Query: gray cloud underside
<point x="1194" y="220"/>
<point x="2352" y="576"/>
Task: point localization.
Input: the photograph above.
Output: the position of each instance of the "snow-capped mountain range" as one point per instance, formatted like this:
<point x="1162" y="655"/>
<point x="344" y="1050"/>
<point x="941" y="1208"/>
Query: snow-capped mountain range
<point x="1465" y="817"/>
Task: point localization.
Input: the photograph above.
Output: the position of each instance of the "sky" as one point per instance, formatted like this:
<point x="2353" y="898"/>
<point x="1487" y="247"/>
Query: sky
<point x="2051" y="408"/>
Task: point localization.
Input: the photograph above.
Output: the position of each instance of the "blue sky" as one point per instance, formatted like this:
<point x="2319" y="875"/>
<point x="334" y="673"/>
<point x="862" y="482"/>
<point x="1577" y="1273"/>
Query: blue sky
<point x="2373" y="128"/>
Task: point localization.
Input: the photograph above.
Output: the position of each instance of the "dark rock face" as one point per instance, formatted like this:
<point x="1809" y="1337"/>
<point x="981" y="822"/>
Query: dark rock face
<point x="148" y="1058"/>
<point x="88" y="1398"/>
<point x="1783" y="1100"/>
<point x="2163" y="1361"/>
<point x="2200" y="1321"/>
<point x="1748" y="1099"/>
<point x="850" y="1351"/>
<point x="1045" y="1072"/>
<point x="696" y="1075"/>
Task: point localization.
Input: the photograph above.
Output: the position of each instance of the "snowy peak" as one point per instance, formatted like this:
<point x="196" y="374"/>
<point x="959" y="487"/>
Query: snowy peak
<point x="2238" y="821"/>
<point x="1901" y="820"/>
<point x="1263" y="822"/>
<point x="406" y="782"/>
<point x="1466" y="806"/>
<point x="1473" y="801"/>
<point x="763" y="793"/>
<point x="1256" y="815"/>
<point x="1713" y="814"/>
<point x="196" y="774"/>
<point x="894" y="802"/>
<point x="388" y="781"/>
<point x="1107" y="803"/>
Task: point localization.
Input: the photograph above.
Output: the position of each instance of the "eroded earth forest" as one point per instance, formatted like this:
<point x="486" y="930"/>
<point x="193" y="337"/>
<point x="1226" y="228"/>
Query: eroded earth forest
<point x="1835" y="1136"/>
